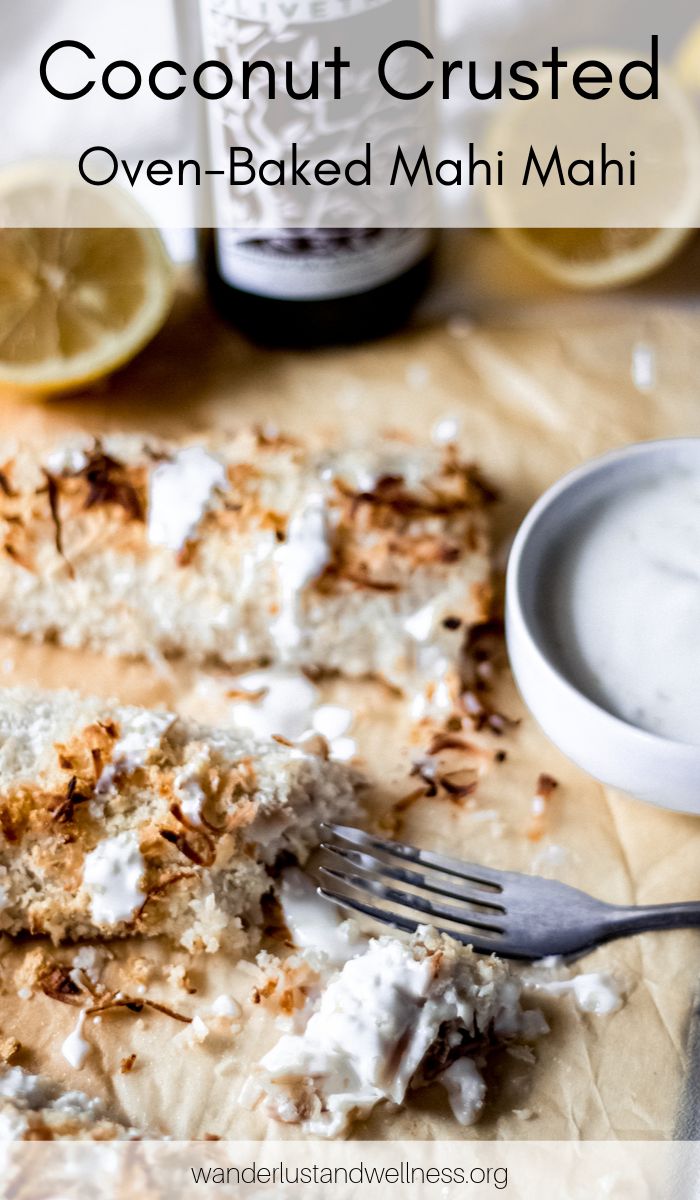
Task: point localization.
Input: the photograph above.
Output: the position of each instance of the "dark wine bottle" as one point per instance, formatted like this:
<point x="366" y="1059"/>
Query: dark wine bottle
<point x="318" y="287"/>
<point x="276" y="279"/>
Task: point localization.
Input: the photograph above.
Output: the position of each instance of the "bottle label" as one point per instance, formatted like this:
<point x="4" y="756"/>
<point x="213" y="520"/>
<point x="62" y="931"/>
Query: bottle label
<point x="278" y="13"/>
<point x="318" y="264"/>
<point x="351" y="119"/>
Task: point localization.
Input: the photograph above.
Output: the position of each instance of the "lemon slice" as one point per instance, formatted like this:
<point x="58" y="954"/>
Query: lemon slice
<point x="687" y="66"/>
<point x="75" y="302"/>
<point x="596" y="259"/>
<point x="664" y="203"/>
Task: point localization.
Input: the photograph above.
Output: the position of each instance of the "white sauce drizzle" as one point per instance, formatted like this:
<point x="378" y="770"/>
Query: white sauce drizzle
<point x="75" y="1048"/>
<point x="198" y="1030"/>
<point x="285" y="708"/>
<point x="343" y="749"/>
<point x="550" y="857"/>
<point x="300" y="560"/>
<point x="141" y="737"/>
<point x="289" y="708"/>
<point x="446" y="430"/>
<point x="188" y="786"/>
<point x="111" y="876"/>
<point x="180" y="492"/>
<point x="225" y="1006"/>
<point x="332" y="721"/>
<point x="644" y="366"/>
<point x="598" y="992"/>
<point x="314" y="923"/>
<point x="420" y="624"/>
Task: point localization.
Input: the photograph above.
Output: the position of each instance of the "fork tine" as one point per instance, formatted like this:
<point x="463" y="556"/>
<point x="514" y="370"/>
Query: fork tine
<point x="424" y="858"/>
<point x="367" y="862"/>
<point x="464" y="916"/>
<point x="480" y="942"/>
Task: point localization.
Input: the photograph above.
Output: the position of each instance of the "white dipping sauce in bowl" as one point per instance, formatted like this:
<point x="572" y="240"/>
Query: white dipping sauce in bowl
<point x="603" y="619"/>
<point x="625" y="605"/>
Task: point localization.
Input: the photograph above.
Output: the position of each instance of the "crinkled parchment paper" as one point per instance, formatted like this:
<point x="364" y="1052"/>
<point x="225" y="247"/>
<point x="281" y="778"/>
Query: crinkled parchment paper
<point x="539" y="381"/>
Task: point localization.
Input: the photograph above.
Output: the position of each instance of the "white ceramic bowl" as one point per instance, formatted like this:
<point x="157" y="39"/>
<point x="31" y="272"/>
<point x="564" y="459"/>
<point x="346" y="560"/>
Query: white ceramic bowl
<point x="653" y="768"/>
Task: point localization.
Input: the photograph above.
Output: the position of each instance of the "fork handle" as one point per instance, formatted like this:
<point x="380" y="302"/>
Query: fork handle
<point x="644" y="918"/>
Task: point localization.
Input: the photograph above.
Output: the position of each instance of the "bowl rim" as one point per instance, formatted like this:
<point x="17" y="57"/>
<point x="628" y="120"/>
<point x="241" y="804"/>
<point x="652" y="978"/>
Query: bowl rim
<point x="516" y="608"/>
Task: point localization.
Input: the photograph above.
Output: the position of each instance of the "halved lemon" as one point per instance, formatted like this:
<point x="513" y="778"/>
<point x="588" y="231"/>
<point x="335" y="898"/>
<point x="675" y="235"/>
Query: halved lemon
<point x="687" y="66"/>
<point x="79" y="300"/>
<point x="596" y="259"/>
<point x="599" y="247"/>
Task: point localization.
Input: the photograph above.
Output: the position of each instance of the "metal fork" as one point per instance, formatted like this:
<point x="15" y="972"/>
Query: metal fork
<point x="496" y="912"/>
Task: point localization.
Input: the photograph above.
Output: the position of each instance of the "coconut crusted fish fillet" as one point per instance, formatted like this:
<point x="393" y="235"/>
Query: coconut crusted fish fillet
<point x="117" y="820"/>
<point x="397" y="1017"/>
<point x="250" y="550"/>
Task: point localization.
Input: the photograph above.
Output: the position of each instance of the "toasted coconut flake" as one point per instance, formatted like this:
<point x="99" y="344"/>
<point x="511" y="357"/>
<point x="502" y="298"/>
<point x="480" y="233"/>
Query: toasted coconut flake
<point x="53" y="494"/>
<point x="63" y="811"/>
<point x="114" y="1001"/>
<point x="57" y="983"/>
<point x="464" y="489"/>
<point x="241" y="695"/>
<point x="456" y="786"/>
<point x="156" y="890"/>
<point x="9" y="1049"/>
<point x="180" y="817"/>
<point x="7" y="827"/>
<point x="17" y="556"/>
<point x="483" y="650"/>
<point x="426" y="771"/>
<point x="186" y="848"/>
<point x="408" y="801"/>
<point x="392" y="821"/>
<point x="450" y="741"/>
<point x="5" y="485"/>
<point x="111" y="482"/>
<point x="539" y="807"/>
<point x="259" y="994"/>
